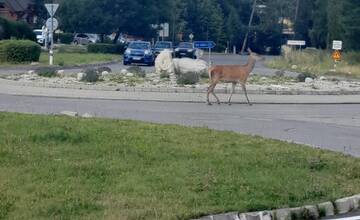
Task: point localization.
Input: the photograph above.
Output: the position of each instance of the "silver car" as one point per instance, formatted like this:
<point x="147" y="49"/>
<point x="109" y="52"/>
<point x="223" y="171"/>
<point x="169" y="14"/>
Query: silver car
<point x="86" y="39"/>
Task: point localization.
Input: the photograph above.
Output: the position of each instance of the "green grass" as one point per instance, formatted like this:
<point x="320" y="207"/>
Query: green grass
<point x="319" y="63"/>
<point x="69" y="59"/>
<point x="63" y="168"/>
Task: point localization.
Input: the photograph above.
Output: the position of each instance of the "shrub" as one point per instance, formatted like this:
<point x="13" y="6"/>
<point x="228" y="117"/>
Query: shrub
<point x="302" y="76"/>
<point x="137" y="71"/>
<point x="91" y="75"/>
<point x="189" y="78"/>
<point x="72" y="49"/>
<point x="164" y="76"/>
<point x="352" y="57"/>
<point x="46" y="71"/>
<point x="106" y="48"/>
<point x="64" y="38"/>
<point x="17" y="30"/>
<point x="18" y="51"/>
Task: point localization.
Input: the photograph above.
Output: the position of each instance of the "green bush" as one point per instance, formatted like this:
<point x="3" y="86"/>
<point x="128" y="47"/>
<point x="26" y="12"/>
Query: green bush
<point x="46" y="71"/>
<point x="17" y="30"/>
<point x="352" y="58"/>
<point x="19" y="51"/>
<point x="64" y="38"/>
<point x="71" y="49"/>
<point x="190" y="78"/>
<point x="106" y="48"/>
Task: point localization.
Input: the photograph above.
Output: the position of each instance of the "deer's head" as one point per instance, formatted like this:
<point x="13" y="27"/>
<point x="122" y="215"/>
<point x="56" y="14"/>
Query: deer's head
<point x="255" y="56"/>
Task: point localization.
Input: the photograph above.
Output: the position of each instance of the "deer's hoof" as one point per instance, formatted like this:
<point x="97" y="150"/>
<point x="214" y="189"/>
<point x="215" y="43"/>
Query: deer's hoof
<point x="209" y="104"/>
<point x="219" y="103"/>
<point x="229" y="104"/>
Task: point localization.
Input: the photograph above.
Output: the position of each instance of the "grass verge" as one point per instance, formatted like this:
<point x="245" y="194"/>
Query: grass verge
<point x="319" y="63"/>
<point x="64" y="168"/>
<point x="70" y="59"/>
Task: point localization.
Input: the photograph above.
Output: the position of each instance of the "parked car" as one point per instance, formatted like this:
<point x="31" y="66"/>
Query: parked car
<point x="162" y="45"/>
<point x="40" y="36"/>
<point x="86" y="39"/>
<point x="185" y="49"/>
<point x="139" y="52"/>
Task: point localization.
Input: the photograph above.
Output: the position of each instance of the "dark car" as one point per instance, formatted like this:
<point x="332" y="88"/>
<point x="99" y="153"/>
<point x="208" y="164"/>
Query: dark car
<point x="139" y="52"/>
<point x="162" y="45"/>
<point x="185" y="49"/>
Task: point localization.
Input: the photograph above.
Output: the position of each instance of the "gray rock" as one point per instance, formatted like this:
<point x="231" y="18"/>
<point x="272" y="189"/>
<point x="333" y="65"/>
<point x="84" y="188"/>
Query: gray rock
<point x="326" y="208"/>
<point x="256" y="216"/>
<point x="124" y="71"/>
<point x="227" y="216"/>
<point x="323" y="78"/>
<point x="297" y="213"/>
<point x="283" y="214"/>
<point x="294" y="67"/>
<point x="80" y="76"/>
<point x="312" y="212"/>
<point x="129" y="74"/>
<point x="343" y="205"/>
<point x="60" y="73"/>
<point x="309" y="80"/>
<point x="69" y="113"/>
<point x="356" y="201"/>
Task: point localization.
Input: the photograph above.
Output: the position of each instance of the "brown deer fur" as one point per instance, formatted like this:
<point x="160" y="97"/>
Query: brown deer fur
<point x="231" y="73"/>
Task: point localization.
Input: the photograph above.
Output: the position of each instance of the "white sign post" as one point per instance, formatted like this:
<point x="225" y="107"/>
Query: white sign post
<point x="51" y="8"/>
<point x="337" y="45"/>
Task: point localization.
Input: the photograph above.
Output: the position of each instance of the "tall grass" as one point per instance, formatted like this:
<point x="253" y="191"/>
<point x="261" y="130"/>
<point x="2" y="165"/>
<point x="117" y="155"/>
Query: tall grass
<point x="64" y="168"/>
<point x="318" y="62"/>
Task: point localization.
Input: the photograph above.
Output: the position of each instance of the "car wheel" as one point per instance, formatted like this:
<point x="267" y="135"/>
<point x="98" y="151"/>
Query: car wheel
<point x="126" y="63"/>
<point x="76" y="42"/>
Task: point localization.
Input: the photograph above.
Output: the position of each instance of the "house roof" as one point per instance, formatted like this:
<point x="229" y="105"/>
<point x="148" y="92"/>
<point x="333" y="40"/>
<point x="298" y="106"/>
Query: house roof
<point x="18" y="5"/>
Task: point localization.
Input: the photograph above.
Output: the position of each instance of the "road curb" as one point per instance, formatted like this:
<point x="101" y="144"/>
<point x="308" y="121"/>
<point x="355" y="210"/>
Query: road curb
<point x="176" y="89"/>
<point x="326" y="209"/>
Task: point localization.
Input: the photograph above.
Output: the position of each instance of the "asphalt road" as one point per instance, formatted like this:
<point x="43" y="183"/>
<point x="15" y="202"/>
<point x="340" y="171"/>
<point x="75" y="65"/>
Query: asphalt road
<point x="259" y="69"/>
<point x="333" y="127"/>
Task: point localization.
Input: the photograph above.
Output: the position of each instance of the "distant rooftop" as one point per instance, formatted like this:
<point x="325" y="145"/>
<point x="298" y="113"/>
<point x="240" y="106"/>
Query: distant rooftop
<point x="18" y="5"/>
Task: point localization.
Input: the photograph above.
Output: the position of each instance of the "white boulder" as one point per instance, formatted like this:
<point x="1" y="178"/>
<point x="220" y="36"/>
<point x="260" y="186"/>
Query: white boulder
<point x="309" y="80"/>
<point x="81" y="76"/>
<point x="164" y="62"/>
<point x="186" y="65"/>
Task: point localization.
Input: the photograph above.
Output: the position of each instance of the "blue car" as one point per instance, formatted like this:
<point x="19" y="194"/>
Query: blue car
<point x="139" y="52"/>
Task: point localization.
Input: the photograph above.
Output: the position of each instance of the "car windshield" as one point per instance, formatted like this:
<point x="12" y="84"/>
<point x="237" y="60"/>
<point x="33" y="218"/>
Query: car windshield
<point x="186" y="45"/>
<point x="38" y="32"/>
<point x="163" y="45"/>
<point x="139" y="45"/>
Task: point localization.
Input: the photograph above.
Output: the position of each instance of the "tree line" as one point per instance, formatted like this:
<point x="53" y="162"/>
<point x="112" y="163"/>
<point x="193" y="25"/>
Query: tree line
<point x="223" y="21"/>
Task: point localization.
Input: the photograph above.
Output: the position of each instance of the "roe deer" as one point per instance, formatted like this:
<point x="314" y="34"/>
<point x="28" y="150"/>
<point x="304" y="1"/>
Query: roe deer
<point x="232" y="73"/>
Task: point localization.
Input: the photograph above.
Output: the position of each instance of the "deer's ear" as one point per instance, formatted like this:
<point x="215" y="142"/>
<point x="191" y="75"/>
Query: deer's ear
<point x="249" y="50"/>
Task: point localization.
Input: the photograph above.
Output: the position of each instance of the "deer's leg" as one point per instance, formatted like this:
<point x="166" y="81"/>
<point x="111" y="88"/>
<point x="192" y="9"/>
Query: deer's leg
<point x="244" y="89"/>
<point x="213" y="92"/>
<point x="232" y="92"/>
<point x="208" y="94"/>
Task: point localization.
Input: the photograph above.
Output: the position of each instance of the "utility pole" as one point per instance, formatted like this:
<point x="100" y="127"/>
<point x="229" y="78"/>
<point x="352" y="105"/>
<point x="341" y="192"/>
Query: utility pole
<point x="296" y="16"/>
<point x="249" y="25"/>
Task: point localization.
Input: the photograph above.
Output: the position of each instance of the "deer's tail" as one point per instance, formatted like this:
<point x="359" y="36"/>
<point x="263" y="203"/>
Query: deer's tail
<point x="210" y="72"/>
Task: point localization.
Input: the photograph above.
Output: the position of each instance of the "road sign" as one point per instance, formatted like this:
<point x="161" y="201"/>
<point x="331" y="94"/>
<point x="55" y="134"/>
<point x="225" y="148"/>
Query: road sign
<point x="165" y="30"/>
<point x="204" y="44"/>
<point x="336" y="55"/>
<point x="54" y="22"/>
<point x="191" y="36"/>
<point x="337" y="45"/>
<point x="51" y="8"/>
<point x="296" y="43"/>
